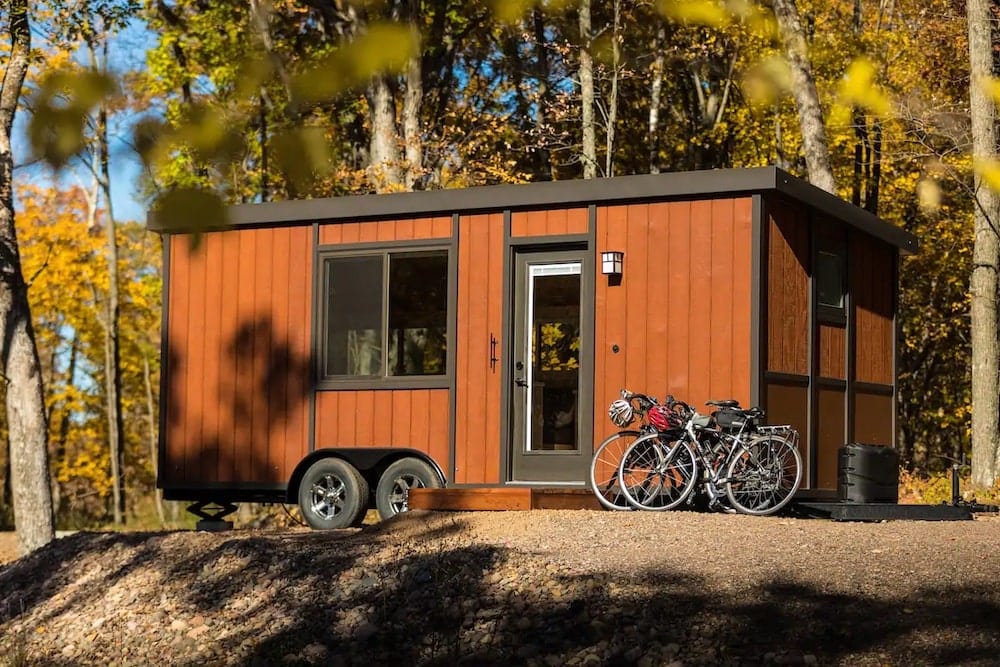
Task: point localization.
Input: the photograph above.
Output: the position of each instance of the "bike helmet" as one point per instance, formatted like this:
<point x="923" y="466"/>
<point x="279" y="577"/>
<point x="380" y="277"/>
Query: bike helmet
<point x="621" y="413"/>
<point x="663" y="418"/>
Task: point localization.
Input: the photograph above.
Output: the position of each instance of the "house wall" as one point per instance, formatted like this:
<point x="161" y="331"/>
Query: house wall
<point x="681" y="317"/>
<point x="831" y="379"/>
<point x="417" y="418"/>
<point x="238" y="361"/>
<point x="480" y="321"/>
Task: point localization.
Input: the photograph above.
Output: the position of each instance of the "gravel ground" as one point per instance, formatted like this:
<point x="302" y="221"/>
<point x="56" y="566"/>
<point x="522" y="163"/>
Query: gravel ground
<point x="541" y="588"/>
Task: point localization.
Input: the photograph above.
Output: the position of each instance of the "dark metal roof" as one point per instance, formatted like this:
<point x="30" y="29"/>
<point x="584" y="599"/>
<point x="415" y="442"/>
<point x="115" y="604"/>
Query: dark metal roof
<point x="648" y="187"/>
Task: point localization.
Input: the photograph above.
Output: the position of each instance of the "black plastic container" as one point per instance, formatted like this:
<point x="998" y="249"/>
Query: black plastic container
<point x="868" y="474"/>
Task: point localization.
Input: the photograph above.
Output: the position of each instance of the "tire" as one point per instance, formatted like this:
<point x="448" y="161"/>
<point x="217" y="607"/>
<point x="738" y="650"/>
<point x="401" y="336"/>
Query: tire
<point x="764" y="476"/>
<point x="604" y="470"/>
<point x="658" y="474"/>
<point x="333" y="494"/>
<point x="395" y="483"/>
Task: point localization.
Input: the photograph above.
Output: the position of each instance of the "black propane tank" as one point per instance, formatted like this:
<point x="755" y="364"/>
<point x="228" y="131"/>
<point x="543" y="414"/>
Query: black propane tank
<point x="868" y="474"/>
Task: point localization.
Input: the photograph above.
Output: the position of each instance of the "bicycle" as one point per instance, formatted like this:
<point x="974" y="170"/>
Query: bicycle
<point x="654" y="418"/>
<point x="756" y="468"/>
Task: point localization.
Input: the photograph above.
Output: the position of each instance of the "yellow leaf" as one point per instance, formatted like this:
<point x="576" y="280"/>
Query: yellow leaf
<point x="989" y="170"/>
<point x="928" y="195"/>
<point x="858" y="88"/>
<point x="698" y="12"/>
<point x="511" y="11"/>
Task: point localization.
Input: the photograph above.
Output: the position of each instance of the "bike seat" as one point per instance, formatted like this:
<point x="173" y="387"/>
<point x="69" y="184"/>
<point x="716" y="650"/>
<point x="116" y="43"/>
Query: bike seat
<point x="727" y="403"/>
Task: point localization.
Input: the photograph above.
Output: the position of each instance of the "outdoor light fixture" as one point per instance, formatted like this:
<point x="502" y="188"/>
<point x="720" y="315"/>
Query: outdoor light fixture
<point x="611" y="262"/>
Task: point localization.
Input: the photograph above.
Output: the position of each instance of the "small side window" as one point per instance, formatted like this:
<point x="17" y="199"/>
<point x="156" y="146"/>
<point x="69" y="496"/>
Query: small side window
<point x="830" y="279"/>
<point x="830" y="274"/>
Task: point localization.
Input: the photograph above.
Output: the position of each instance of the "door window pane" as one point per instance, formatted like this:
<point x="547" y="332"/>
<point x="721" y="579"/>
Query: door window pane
<point x="418" y="314"/>
<point x="354" y="311"/>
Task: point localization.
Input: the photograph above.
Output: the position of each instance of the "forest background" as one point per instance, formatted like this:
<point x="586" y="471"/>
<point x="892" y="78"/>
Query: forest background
<point x="242" y="101"/>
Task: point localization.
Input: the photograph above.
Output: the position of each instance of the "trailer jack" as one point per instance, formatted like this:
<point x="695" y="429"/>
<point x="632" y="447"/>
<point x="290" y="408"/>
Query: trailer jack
<point x="212" y="515"/>
<point x="956" y="497"/>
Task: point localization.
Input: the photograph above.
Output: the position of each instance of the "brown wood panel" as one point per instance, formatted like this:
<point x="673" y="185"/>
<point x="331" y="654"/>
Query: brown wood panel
<point x="239" y="334"/>
<point x="178" y="363"/>
<point x="873" y="419"/>
<point x="480" y="300"/>
<point x="506" y="498"/>
<point x="635" y="345"/>
<point x="789" y="404"/>
<point x="564" y="499"/>
<point x="681" y="315"/>
<point x="194" y="352"/>
<point x="611" y="325"/>
<point x="787" y="288"/>
<point x="550" y="222"/>
<point x="720" y="329"/>
<point x="873" y="290"/>
<point x="260" y="447"/>
<point x="832" y="350"/>
<point x="370" y="231"/>
<point x="831" y="435"/>
<point x="210" y="451"/>
<point x="415" y="418"/>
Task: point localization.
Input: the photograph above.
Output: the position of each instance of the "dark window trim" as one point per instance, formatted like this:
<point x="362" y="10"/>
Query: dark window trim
<point x="326" y="382"/>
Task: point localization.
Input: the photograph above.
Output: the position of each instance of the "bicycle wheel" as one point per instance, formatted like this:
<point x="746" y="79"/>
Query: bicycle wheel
<point x="657" y="473"/>
<point x="604" y="469"/>
<point x="764" y="475"/>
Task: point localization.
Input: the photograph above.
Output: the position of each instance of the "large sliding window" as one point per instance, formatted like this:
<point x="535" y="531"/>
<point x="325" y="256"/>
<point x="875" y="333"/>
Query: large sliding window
<point x="386" y="315"/>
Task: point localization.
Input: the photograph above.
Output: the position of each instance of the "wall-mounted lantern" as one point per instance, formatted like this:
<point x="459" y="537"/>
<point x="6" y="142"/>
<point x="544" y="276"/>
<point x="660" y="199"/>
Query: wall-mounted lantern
<point x="611" y="262"/>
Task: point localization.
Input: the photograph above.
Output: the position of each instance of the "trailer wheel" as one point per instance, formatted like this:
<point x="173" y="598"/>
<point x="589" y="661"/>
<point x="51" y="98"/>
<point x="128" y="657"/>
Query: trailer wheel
<point x="333" y="494"/>
<point x="395" y="483"/>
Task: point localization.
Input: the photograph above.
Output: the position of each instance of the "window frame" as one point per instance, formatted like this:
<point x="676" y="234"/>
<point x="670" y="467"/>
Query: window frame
<point x="322" y="310"/>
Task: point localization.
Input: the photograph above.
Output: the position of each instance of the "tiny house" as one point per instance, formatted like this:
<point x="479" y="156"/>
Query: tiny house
<point x="336" y="352"/>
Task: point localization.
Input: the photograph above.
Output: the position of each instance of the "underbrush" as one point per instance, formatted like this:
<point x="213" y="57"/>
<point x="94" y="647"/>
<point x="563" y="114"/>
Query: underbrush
<point x="935" y="488"/>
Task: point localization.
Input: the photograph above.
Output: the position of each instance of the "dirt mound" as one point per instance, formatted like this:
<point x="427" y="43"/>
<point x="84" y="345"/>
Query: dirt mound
<point x="543" y="587"/>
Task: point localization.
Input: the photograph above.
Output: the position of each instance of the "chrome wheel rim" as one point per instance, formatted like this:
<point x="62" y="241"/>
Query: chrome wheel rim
<point x="399" y="495"/>
<point x="328" y="496"/>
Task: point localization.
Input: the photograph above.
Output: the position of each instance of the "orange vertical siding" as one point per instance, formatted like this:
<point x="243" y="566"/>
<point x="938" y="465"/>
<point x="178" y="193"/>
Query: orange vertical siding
<point x="370" y="231"/>
<point x="832" y="349"/>
<point x="788" y="290"/>
<point x="415" y="418"/>
<point x="681" y="315"/>
<point x="238" y="376"/>
<point x="550" y="222"/>
<point x="872" y="288"/>
<point x="480" y="315"/>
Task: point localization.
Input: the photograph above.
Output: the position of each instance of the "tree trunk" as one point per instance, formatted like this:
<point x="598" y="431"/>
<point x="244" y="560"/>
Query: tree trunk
<point x="414" y="148"/>
<point x="814" y="143"/>
<point x="101" y="168"/>
<point x="153" y="440"/>
<point x="28" y="432"/>
<point x="609" y="145"/>
<point x="985" y="259"/>
<point x="544" y="164"/>
<point x="383" y="151"/>
<point x="589" y="154"/>
<point x="655" y="90"/>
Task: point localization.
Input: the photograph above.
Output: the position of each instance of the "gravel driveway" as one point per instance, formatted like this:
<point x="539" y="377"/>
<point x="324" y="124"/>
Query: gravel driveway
<point x="541" y="588"/>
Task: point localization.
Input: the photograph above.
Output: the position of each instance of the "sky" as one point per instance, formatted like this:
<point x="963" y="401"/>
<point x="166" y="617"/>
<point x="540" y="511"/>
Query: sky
<point x="127" y="51"/>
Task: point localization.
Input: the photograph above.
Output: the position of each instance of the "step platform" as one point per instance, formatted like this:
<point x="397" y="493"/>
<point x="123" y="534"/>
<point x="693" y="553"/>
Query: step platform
<point x="503" y="498"/>
<point x="845" y="511"/>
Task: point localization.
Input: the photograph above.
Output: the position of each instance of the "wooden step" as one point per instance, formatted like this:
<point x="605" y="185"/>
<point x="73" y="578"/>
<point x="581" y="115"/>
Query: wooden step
<point x="502" y="498"/>
<point x="487" y="498"/>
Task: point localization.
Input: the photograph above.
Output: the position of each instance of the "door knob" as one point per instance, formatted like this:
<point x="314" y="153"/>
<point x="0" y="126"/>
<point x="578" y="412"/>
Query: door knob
<point x="520" y="382"/>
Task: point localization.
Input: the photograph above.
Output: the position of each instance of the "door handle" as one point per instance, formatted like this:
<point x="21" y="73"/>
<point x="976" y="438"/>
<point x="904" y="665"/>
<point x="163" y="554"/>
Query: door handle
<point x="520" y="382"/>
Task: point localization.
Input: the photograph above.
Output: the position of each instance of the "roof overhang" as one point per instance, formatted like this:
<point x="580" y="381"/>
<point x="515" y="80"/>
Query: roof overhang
<point x="706" y="184"/>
